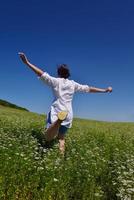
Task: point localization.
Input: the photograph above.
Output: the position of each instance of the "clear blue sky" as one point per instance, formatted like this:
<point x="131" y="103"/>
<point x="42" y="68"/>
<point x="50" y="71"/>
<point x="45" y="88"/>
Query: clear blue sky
<point x="95" y="38"/>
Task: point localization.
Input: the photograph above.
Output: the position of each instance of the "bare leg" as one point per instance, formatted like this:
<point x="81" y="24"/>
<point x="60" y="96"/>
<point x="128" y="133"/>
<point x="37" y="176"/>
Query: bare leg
<point x="61" y="138"/>
<point x="52" y="131"/>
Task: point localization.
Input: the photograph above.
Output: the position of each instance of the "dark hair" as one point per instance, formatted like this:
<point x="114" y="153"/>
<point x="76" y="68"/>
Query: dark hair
<point x="63" y="71"/>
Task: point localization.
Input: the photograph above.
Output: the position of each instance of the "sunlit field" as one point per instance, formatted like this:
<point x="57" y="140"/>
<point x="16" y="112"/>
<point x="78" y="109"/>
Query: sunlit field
<point x="98" y="162"/>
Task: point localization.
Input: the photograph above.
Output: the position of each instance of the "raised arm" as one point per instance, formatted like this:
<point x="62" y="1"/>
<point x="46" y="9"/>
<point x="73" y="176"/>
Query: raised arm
<point x="24" y="59"/>
<point x="94" y="89"/>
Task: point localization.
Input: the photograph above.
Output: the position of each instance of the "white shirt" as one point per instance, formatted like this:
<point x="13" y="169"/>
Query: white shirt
<point x="63" y="90"/>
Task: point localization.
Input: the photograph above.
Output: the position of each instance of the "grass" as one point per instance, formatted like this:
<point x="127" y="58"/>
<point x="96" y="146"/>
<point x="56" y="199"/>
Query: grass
<point x="98" y="165"/>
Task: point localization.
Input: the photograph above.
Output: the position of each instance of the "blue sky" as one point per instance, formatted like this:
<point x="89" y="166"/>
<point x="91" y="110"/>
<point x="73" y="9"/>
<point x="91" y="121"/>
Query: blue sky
<point x="95" y="38"/>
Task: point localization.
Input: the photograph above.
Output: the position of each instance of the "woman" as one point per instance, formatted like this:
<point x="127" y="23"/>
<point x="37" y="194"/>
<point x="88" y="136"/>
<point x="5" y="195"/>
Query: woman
<point x="60" y="116"/>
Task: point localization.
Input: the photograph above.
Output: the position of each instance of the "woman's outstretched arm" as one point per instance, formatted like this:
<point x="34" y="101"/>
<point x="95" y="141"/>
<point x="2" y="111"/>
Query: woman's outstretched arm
<point x="87" y="88"/>
<point x="24" y="59"/>
<point x="94" y="89"/>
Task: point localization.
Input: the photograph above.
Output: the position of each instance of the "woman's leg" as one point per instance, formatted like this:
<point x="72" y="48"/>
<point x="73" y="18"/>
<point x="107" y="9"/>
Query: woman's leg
<point x="61" y="138"/>
<point x="53" y="130"/>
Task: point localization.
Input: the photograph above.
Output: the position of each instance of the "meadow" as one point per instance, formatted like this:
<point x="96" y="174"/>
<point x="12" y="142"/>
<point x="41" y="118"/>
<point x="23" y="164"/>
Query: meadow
<point x="98" y="162"/>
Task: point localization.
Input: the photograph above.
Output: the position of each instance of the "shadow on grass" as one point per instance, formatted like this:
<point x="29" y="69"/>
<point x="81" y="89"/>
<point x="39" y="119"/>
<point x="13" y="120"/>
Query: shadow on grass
<point x="39" y="136"/>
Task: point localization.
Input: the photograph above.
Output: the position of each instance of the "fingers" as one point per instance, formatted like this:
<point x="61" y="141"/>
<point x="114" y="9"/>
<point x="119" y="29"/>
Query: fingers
<point x="21" y="54"/>
<point x="110" y="89"/>
<point x="23" y="57"/>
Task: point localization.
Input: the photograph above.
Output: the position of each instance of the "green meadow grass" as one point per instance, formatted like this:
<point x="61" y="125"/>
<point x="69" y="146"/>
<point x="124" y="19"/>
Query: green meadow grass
<point x="98" y="163"/>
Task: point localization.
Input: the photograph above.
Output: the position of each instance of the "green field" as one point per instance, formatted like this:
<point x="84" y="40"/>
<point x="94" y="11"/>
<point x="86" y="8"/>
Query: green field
<point x="98" y="163"/>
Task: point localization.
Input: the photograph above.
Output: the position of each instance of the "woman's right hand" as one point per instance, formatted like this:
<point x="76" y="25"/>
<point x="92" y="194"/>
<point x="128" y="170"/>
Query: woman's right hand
<point x="109" y="89"/>
<point x="23" y="57"/>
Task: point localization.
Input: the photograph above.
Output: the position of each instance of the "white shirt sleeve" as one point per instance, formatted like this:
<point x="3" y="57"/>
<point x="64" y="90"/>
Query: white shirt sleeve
<point x="81" y="88"/>
<point x="49" y="80"/>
